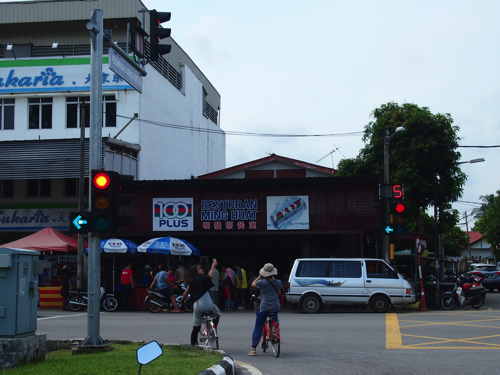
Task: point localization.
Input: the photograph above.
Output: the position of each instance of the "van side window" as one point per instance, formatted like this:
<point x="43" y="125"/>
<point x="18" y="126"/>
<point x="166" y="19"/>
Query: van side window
<point x="345" y="269"/>
<point x="376" y="269"/>
<point x="311" y="269"/>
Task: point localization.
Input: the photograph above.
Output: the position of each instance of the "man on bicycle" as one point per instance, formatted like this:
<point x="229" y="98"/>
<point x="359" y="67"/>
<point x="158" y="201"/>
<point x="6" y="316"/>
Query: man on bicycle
<point x="269" y="301"/>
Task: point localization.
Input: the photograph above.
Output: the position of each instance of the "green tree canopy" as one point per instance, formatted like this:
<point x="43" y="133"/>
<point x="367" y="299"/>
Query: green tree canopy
<point x="423" y="158"/>
<point x="489" y="224"/>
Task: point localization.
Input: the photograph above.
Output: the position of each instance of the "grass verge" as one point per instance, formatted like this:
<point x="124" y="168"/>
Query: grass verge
<point x="178" y="360"/>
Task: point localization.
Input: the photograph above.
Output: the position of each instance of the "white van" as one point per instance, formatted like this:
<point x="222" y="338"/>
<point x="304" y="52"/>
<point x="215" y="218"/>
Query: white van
<point x="330" y="281"/>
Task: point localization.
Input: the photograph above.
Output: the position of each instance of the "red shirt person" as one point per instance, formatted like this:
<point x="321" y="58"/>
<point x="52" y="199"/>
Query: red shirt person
<point x="127" y="277"/>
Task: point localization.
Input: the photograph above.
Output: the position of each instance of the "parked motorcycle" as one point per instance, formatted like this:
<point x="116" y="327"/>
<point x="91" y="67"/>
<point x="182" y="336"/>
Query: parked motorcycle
<point x="79" y="299"/>
<point x="156" y="302"/>
<point x="464" y="295"/>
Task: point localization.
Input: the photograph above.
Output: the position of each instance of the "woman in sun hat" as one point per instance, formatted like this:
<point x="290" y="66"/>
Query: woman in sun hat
<point x="269" y="301"/>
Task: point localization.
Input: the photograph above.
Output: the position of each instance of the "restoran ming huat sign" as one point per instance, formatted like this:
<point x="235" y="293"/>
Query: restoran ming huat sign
<point x="229" y="214"/>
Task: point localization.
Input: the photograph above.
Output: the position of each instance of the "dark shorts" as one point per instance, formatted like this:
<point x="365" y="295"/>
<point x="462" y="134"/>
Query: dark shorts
<point x="167" y="292"/>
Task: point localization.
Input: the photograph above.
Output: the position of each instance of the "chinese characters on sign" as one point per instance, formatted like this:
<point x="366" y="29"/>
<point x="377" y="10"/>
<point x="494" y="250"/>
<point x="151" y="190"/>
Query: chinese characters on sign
<point x="229" y="214"/>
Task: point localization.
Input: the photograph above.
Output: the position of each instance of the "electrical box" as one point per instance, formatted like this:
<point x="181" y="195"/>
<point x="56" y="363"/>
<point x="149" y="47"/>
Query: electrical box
<point x="19" y="271"/>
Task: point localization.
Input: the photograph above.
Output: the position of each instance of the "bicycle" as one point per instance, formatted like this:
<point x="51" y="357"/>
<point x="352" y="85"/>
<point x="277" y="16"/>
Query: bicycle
<point x="208" y="331"/>
<point x="271" y="334"/>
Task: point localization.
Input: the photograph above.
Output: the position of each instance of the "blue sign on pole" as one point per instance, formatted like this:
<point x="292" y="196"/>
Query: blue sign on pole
<point x="121" y="67"/>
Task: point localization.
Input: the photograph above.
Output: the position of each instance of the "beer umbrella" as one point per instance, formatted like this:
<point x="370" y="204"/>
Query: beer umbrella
<point x="168" y="245"/>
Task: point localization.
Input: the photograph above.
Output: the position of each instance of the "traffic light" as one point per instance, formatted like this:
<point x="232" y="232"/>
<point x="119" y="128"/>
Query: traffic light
<point x="79" y="222"/>
<point x="101" y="195"/>
<point x="120" y="200"/>
<point x="157" y="33"/>
<point x="399" y="217"/>
<point x="379" y="225"/>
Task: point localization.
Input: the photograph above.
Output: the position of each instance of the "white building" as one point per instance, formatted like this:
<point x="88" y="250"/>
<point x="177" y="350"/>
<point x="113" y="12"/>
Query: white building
<point x="170" y="131"/>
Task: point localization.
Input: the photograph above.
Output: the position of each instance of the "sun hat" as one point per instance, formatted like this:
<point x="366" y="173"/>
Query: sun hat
<point x="268" y="270"/>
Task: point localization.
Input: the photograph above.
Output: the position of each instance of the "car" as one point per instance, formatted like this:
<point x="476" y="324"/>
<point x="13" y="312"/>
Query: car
<point x="490" y="273"/>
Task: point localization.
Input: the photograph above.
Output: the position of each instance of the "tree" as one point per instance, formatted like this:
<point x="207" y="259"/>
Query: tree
<point x="424" y="158"/>
<point x="489" y="224"/>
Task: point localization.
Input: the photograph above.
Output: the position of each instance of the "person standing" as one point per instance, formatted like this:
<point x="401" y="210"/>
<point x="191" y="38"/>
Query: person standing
<point x="230" y="280"/>
<point x="127" y="277"/>
<point x="214" y="292"/>
<point x="181" y="273"/>
<point x="198" y="287"/>
<point x="269" y="301"/>
<point x="241" y="285"/>
<point x="65" y="287"/>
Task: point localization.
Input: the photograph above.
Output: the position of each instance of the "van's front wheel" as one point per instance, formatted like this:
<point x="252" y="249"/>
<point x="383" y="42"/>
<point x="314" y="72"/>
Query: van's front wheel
<point x="380" y="304"/>
<point x="311" y="304"/>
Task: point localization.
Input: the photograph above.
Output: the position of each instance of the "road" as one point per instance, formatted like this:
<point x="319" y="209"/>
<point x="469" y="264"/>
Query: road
<point x="339" y="341"/>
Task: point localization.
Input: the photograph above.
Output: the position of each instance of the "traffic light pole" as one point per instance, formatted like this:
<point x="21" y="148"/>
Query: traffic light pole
<point x="96" y="28"/>
<point x="385" y="236"/>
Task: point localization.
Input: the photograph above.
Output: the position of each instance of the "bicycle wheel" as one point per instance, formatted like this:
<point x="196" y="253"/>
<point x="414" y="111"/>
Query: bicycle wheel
<point x="212" y="336"/>
<point x="265" y="334"/>
<point x="154" y="304"/>
<point x="203" y="337"/>
<point x="74" y="303"/>
<point x="274" y="338"/>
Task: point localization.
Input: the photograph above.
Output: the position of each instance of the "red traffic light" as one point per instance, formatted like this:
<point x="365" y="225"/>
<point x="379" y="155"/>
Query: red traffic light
<point x="400" y="207"/>
<point x="101" y="180"/>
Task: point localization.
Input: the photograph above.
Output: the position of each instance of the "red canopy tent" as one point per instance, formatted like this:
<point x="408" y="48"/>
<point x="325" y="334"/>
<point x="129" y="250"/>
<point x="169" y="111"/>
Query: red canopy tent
<point x="47" y="239"/>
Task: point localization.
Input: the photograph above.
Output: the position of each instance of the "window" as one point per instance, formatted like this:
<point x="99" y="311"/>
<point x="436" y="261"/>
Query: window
<point x="73" y="107"/>
<point x="38" y="188"/>
<point x="7" y="189"/>
<point x="71" y="187"/>
<point x="109" y="104"/>
<point x="73" y="116"/>
<point x="378" y="269"/>
<point x="7" y="114"/>
<point x="345" y="269"/>
<point x="311" y="269"/>
<point x="40" y="113"/>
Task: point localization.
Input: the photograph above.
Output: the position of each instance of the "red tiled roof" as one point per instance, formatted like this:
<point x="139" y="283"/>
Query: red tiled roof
<point x="265" y="160"/>
<point x="475" y="236"/>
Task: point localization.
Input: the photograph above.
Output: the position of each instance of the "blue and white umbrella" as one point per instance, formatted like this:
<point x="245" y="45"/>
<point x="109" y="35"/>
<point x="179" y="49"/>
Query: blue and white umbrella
<point x="116" y="245"/>
<point x="168" y="245"/>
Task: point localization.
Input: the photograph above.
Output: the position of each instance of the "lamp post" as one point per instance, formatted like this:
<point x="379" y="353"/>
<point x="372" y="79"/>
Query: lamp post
<point x="387" y="140"/>
<point x="478" y="160"/>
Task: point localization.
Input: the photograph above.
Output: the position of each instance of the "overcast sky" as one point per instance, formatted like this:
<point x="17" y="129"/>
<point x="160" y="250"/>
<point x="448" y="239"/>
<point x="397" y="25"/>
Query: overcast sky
<point x="322" y="67"/>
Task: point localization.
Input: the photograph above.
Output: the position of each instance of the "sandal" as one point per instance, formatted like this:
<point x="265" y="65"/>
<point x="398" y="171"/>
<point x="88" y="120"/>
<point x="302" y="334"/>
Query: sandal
<point x="252" y="352"/>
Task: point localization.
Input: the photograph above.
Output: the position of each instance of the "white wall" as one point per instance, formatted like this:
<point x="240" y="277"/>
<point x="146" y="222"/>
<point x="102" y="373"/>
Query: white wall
<point x="177" y="153"/>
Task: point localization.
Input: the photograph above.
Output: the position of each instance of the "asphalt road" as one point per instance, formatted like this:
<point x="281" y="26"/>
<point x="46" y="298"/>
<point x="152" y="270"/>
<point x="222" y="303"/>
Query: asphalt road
<point x="339" y="341"/>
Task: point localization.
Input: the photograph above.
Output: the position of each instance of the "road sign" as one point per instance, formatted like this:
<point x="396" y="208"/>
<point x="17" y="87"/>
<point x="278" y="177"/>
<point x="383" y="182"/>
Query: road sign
<point x="121" y="67"/>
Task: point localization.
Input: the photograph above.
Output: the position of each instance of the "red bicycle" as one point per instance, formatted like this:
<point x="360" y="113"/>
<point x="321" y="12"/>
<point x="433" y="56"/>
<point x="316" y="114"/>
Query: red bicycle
<point x="271" y="335"/>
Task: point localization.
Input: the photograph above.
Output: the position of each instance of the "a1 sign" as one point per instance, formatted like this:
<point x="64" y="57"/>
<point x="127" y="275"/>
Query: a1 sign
<point x="78" y="222"/>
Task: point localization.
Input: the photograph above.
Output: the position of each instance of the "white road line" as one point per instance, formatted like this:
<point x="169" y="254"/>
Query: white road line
<point x="60" y="316"/>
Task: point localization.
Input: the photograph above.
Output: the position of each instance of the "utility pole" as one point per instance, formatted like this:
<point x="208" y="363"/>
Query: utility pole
<point x="81" y="201"/>
<point x="95" y="26"/>
<point x="467" y="227"/>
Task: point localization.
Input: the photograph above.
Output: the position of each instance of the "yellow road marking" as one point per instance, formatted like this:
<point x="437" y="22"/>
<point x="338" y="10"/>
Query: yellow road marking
<point x="394" y="337"/>
<point x="392" y="333"/>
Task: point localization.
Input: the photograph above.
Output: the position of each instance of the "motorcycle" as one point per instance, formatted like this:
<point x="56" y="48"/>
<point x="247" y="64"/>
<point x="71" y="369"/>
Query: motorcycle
<point x="463" y="295"/>
<point x="156" y="302"/>
<point x="78" y="299"/>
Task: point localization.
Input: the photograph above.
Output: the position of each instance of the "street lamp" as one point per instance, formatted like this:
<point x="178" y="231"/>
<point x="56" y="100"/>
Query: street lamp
<point x="479" y="160"/>
<point x="387" y="140"/>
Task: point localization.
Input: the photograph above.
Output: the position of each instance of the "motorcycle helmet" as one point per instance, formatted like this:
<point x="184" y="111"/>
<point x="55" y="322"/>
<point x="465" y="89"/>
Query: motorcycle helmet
<point x="466" y="287"/>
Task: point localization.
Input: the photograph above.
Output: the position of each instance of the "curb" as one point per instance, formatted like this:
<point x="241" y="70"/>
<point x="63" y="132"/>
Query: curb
<point x="224" y="367"/>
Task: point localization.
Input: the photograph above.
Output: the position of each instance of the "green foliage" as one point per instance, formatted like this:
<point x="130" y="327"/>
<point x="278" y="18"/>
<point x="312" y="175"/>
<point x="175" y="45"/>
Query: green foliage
<point x="489" y="224"/>
<point x="425" y="150"/>
<point x="176" y="360"/>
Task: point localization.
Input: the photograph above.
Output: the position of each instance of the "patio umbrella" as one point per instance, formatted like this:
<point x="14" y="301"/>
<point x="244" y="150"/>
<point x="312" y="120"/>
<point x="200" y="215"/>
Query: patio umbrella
<point x="116" y="245"/>
<point x="168" y="245"/>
